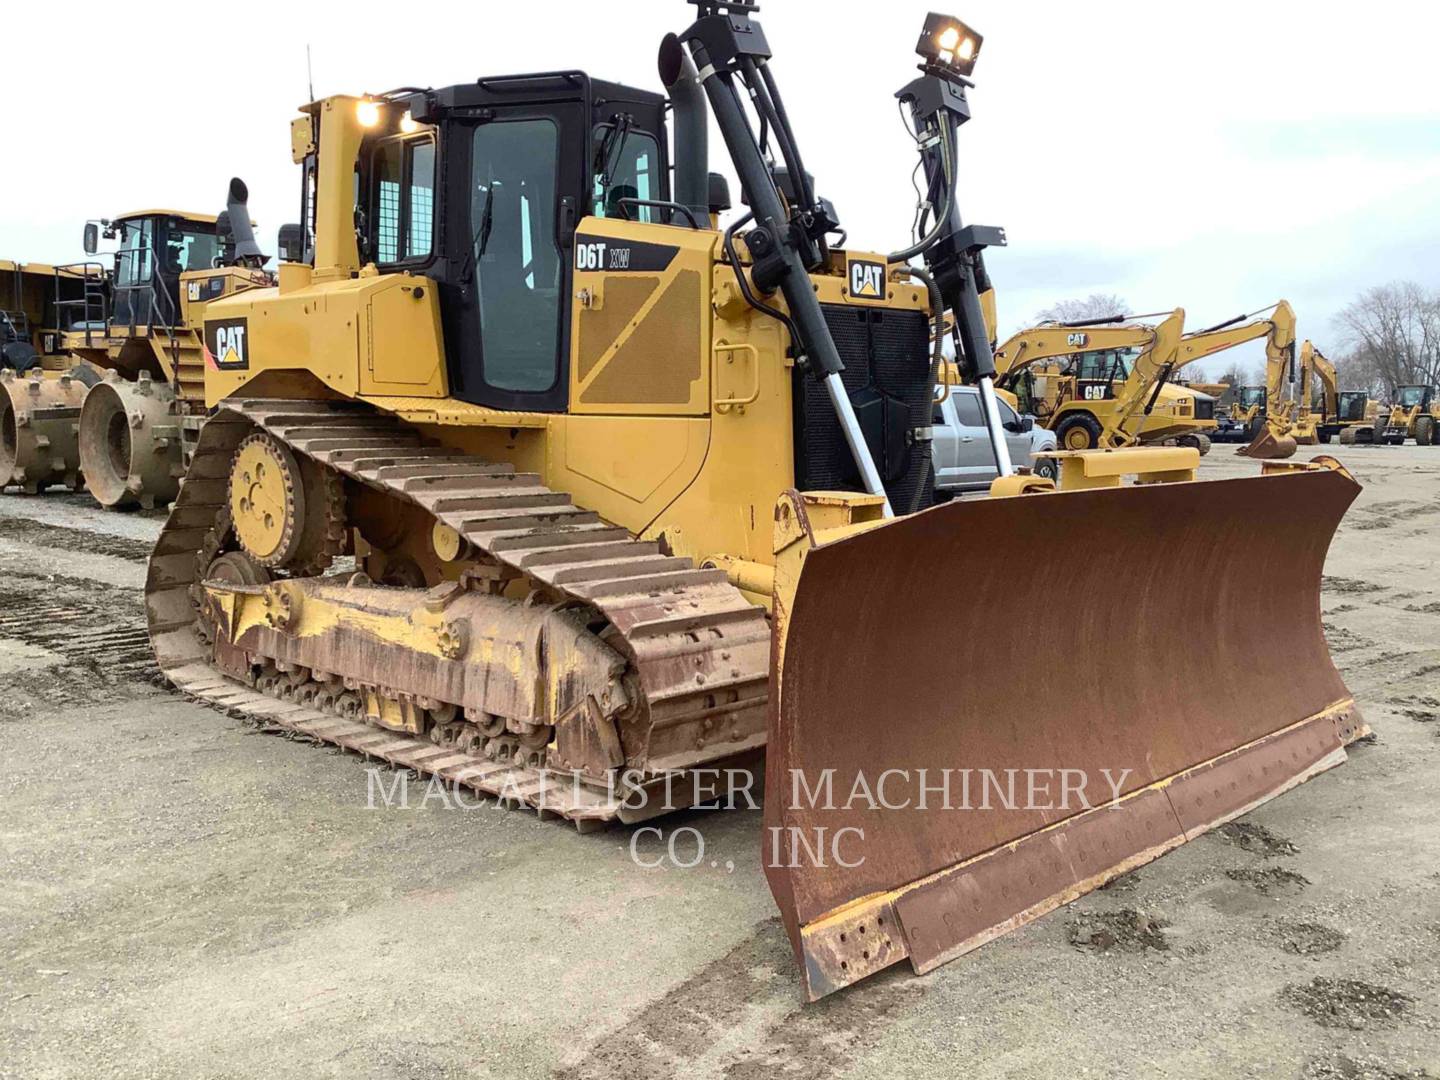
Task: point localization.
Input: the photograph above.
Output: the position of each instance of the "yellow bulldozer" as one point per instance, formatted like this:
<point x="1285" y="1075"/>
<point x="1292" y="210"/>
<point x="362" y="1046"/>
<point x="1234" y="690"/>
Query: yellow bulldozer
<point x="119" y="402"/>
<point x="529" y="476"/>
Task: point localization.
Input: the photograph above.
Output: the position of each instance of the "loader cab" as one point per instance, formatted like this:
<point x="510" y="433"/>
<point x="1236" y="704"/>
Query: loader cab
<point x="484" y="196"/>
<point x="1415" y="397"/>
<point x="1252" y="397"/>
<point x="155" y="248"/>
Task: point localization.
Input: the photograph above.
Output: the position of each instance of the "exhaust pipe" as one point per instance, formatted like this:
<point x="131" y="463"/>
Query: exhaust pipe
<point x="237" y="210"/>
<point x="692" y="131"/>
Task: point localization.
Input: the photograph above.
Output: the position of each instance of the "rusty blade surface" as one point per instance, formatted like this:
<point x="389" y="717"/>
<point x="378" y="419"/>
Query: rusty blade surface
<point x="1165" y="641"/>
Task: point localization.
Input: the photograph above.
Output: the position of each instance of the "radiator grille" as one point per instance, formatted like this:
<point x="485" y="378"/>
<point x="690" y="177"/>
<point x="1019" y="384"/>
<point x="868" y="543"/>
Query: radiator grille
<point x="887" y="372"/>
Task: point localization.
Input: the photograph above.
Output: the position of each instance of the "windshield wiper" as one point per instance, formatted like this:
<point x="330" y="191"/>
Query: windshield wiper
<point x="481" y="240"/>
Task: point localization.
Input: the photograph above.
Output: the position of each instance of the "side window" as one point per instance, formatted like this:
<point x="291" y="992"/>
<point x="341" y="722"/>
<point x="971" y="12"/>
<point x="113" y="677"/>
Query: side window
<point x="403" y="199"/>
<point x="627" y="164"/>
<point x="1007" y="414"/>
<point x="967" y="406"/>
<point x="514" y="165"/>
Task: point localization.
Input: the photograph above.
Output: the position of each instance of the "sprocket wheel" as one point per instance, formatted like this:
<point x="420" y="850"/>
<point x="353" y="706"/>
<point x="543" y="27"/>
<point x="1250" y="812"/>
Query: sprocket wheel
<point x="288" y="512"/>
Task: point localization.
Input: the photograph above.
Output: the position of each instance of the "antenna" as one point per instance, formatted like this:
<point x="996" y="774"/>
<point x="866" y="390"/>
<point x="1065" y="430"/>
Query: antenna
<point x="309" y="71"/>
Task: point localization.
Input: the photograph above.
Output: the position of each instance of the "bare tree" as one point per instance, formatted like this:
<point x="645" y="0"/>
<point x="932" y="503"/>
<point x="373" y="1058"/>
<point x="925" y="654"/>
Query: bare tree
<point x="1392" y="333"/>
<point x="1094" y="306"/>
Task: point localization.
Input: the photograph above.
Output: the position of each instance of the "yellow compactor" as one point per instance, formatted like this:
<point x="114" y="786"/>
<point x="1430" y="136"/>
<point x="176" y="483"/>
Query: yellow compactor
<point x="118" y="402"/>
<point x="530" y="476"/>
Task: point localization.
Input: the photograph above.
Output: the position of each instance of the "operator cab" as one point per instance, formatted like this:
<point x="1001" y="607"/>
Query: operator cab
<point x="156" y="247"/>
<point x="480" y="187"/>
<point x="1253" y="396"/>
<point x="1411" y="397"/>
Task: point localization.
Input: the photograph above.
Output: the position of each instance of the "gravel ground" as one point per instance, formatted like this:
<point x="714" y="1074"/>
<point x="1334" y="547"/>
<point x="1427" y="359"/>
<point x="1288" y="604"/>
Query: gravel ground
<point x="184" y="896"/>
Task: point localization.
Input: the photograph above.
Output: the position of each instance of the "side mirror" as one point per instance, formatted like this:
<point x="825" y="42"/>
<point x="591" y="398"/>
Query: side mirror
<point x="92" y="238"/>
<point x="1027" y="425"/>
<point x="292" y="243"/>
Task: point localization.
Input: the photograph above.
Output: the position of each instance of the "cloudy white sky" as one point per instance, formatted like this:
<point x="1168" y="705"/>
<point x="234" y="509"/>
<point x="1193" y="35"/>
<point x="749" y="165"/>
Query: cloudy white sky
<point x="1215" y="156"/>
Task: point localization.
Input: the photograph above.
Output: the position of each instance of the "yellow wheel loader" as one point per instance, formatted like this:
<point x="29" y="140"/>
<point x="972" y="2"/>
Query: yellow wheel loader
<point x="1415" y="415"/>
<point x="530" y="477"/>
<point x="122" y="423"/>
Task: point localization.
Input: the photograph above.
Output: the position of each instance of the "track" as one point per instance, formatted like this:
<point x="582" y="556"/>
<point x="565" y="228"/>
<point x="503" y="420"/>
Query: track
<point x="698" y="650"/>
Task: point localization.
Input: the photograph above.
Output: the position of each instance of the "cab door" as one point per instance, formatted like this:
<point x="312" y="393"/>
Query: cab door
<point x="515" y="179"/>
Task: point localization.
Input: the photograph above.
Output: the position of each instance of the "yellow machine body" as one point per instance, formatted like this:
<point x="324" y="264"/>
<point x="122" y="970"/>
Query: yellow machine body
<point x="571" y="606"/>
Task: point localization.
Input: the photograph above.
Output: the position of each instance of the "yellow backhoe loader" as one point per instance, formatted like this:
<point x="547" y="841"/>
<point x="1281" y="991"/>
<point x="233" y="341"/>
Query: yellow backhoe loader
<point x="1415" y="415"/>
<point x="1105" y="383"/>
<point x="1263" y="411"/>
<point x="122" y="423"/>
<point x="631" y="498"/>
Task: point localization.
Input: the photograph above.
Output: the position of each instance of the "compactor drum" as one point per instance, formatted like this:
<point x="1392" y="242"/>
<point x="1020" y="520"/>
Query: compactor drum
<point x="551" y="488"/>
<point x="38" y="415"/>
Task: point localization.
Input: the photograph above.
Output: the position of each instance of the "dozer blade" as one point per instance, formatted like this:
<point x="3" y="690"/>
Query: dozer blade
<point x="1269" y="446"/>
<point x="985" y="710"/>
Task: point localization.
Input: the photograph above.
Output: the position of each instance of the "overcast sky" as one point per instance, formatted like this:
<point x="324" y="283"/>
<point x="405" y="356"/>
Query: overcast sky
<point x="1215" y="156"/>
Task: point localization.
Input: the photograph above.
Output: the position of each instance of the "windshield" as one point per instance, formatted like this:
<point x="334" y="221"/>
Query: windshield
<point x="1252" y="395"/>
<point x="187" y="248"/>
<point x="1410" y="396"/>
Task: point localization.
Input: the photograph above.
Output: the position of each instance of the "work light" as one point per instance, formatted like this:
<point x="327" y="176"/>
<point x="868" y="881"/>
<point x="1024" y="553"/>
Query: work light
<point x="949" y="43"/>
<point x="367" y="113"/>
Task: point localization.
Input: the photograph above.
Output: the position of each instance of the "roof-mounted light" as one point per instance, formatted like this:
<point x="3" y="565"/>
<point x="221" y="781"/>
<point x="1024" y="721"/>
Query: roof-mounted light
<point x="948" y="43"/>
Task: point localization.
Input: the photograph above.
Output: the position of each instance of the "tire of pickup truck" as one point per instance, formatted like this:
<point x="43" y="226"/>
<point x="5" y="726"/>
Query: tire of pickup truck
<point x="1078" y="431"/>
<point x="1047" y="467"/>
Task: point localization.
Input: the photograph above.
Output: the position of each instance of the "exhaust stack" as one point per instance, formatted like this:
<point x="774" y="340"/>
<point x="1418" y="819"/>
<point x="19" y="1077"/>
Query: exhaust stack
<point x="692" y="132"/>
<point x="237" y="211"/>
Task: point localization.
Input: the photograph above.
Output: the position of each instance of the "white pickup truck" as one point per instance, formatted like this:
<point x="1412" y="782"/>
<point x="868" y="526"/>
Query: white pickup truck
<point x="964" y="460"/>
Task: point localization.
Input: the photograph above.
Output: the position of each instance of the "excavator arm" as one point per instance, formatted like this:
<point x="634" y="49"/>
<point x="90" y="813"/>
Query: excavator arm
<point x="1313" y="365"/>
<point x="1278" y="331"/>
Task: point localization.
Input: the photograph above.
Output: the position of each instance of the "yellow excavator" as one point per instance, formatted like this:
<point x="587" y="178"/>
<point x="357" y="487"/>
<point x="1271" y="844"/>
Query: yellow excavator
<point x="530" y="477"/>
<point x="1349" y="415"/>
<point x="1105" y="383"/>
<point x="1263" y="411"/>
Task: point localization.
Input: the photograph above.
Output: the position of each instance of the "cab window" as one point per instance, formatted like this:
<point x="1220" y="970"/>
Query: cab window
<point x="187" y="248"/>
<point x="402" y="200"/>
<point x="627" y="166"/>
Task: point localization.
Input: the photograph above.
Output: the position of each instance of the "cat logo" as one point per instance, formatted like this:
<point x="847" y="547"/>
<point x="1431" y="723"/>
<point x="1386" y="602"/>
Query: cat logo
<point x="227" y="344"/>
<point x="1077" y="340"/>
<point x="866" y="279"/>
